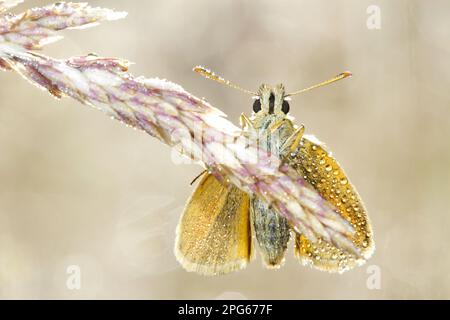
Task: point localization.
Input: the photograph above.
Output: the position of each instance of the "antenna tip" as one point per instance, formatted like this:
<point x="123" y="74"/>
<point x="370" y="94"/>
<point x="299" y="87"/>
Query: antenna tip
<point x="346" y="74"/>
<point x="206" y="73"/>
<point x="201" y="69"/>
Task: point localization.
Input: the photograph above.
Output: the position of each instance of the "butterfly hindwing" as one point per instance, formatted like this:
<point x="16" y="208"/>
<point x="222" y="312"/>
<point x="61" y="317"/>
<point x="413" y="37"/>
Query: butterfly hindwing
<point x="316" y="164"/>
<point x="214" y="233"/>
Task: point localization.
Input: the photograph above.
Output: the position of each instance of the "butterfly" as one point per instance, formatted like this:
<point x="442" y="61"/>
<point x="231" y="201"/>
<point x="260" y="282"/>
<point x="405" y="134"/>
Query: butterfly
<point x="221" y="224"/>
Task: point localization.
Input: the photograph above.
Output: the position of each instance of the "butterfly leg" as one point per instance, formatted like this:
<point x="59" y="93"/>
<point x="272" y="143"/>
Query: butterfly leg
<point x="274" y="126"/>
<point x="294" y="140"/>
<point x="246" y="123"/>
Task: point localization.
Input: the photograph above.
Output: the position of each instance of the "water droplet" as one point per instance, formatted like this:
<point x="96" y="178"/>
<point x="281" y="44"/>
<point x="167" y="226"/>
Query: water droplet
<point x="328" y="168"/>
<point x="344" y="181"/>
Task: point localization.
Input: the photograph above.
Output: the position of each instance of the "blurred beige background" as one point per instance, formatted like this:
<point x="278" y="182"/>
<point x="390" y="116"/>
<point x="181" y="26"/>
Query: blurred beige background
<point x="79" y="189"/>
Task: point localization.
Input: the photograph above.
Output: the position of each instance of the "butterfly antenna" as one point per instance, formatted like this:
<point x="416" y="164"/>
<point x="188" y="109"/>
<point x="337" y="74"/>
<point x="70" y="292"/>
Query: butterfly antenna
<point x="340" y="76"/>
<point x="208" y="74"/>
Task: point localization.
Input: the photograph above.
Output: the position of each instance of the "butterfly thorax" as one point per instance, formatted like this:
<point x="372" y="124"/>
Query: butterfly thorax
<point x="270" y="120"/>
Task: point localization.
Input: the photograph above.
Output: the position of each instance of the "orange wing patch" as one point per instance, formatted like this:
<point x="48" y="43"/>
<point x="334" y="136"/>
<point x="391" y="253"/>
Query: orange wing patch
<point x="214" y="233"/>
<point x="319" y="168"/>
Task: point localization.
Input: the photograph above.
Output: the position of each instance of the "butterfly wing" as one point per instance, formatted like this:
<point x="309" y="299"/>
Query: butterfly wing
<point x="214" y="233"/>
<point x="316" y="164"/>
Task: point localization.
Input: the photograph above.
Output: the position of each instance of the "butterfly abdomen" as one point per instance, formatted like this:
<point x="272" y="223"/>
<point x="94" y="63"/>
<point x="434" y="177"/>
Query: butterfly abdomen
<point x="272" y="231"/>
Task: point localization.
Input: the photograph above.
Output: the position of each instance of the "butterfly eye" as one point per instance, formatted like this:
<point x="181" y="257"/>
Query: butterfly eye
<point x="257" y="106"/>
<point x="285" y="107"/>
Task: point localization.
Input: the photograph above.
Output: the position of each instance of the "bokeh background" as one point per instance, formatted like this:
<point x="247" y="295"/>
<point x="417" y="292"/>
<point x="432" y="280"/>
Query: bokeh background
<point x="79" y="189"/>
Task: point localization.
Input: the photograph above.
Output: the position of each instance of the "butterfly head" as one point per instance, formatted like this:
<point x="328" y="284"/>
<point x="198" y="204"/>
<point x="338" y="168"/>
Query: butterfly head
<point x="271" y="101"/>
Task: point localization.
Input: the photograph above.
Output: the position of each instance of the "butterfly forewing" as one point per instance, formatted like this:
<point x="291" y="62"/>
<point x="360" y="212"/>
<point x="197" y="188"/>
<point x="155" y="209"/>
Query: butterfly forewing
<point x="315" y="163"/>
<point x="214" y="233"/>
